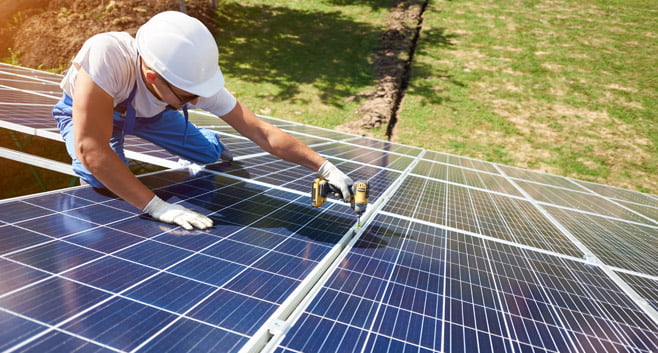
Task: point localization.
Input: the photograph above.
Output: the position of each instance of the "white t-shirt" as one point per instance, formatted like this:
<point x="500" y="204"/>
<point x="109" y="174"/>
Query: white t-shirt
<point x="111" y="60"/>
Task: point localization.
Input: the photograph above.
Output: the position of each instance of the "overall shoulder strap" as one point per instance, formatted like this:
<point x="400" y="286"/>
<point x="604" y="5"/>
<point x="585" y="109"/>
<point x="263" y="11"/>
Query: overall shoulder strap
<point x="128" y="111"/>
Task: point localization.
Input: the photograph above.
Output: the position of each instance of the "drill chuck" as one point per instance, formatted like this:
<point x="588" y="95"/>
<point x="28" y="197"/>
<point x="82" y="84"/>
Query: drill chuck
<point x="360" y="194"/>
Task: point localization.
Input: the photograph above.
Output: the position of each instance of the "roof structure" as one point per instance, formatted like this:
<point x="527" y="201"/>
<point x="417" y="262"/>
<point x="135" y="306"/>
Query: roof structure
<point x="453" y="254"/>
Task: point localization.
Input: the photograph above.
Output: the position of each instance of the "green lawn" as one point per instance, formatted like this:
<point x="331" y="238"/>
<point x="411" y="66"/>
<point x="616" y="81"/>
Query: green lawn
<point x="565" y="87"/>
<point x="299" y="60"/>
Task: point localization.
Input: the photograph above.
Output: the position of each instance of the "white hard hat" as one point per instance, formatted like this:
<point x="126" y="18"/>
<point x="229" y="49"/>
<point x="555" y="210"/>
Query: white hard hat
<point x="182" y="50"/>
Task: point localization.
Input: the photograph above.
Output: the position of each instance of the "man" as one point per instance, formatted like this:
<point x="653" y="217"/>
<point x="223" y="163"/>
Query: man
<point x="120" y="85"/>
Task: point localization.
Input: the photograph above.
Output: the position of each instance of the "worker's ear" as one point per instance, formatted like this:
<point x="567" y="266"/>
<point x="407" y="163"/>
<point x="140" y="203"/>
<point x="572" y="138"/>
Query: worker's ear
<point x="150" y="76"/>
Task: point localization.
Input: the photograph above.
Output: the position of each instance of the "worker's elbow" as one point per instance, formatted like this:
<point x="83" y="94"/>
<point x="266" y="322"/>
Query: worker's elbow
<point x="89" y="155"/>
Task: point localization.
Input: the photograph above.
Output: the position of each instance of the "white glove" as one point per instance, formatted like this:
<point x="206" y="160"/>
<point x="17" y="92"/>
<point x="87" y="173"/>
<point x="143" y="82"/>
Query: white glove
<point x="337" y="178"/>
<point x="173" y="213"/>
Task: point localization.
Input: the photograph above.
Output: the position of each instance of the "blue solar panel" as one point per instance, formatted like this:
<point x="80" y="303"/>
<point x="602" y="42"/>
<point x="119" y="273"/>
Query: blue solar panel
<point x="411" y="287"/>
<point x="455" y="255"/>
<point x="229" y="279"/>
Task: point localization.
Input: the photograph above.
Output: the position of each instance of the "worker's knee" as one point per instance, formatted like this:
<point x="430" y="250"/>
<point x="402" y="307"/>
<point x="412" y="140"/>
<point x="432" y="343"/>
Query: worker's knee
<point x="212" y="151"/>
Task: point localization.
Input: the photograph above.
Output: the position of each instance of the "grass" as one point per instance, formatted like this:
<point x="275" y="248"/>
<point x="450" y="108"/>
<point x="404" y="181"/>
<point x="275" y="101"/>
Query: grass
<point x="299" y="60"/>
<point x="563" y="87"/>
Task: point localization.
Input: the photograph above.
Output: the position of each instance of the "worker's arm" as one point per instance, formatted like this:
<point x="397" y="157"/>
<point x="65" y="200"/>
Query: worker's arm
<point x="277" y="142"/>
<point x="271" y="139"/>
<point x="92" y="129"/>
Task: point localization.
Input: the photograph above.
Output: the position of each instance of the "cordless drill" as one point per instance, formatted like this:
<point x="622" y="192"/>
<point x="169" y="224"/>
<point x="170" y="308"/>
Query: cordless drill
<point x="358" y="198"/>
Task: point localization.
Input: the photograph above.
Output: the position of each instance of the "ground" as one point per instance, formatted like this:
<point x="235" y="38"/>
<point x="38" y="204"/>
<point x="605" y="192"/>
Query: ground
<point x="50" y="32"/>
<point x="47" y="34"/>
<point x="391" y="61"/>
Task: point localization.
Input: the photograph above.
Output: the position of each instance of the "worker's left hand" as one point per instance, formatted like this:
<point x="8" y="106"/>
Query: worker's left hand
<point x="173" y="213"/>
<point x="337" y="178"/>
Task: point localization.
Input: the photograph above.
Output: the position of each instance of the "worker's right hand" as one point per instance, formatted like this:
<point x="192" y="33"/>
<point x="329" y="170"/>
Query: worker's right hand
<point x="173" y="213"/>
<point x="337" y="179"/>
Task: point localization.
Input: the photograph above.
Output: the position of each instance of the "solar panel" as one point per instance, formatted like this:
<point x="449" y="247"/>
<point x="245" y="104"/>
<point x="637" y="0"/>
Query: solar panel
<point x="454" y="255"/>
<point x="450" y="292"/>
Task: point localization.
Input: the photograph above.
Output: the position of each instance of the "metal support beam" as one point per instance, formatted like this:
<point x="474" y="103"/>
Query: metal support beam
<point x="36" y="161"/>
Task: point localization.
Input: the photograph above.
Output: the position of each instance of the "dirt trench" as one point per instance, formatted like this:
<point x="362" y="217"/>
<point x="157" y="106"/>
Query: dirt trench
<point x="392" y="63"/>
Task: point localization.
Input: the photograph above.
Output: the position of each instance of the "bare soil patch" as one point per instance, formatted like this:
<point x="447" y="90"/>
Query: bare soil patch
<point x="46" y="34"/>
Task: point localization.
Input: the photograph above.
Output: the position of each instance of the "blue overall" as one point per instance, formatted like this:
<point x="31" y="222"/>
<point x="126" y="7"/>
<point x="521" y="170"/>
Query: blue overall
<point x="169" y="130"/>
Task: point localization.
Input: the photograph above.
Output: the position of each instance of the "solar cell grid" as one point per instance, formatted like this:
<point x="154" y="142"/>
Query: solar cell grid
<point x="219" y="126"/>
<point x="11" y="95"/>
<point x="294" y="177"/>
<point x="265" y="168"/>
<point x="460" y="213"/>
<point x="387" y="146"/>
<point x="18" y="78"/>
<point x="452" y="257"/>
<point x="645" y="286"/>
<point x="31" y="116"/>
<point x="590" y="302"/>
<point x="436" y="156"/>
<point x="498" y="295"/>
<point x="360" y="301"/>
<point x="621" y="194"/>
<point x="432" y="170"/>
<point x="472" y="163"/>
<point x="310" y="130"/>
<point x="539" y="177"/>
<point x="43" y="88"/>
<point x="369" y="156"/>
<point x="581" y="201"/>
<point x="30" y="73"/>
<point x="409" y="193"/>
<point x="621" y="244"/>
<point x="139" y="145"/>
<point x="175" y="294"/>
<point x="479" y="212"/>
<point x="526" y="224"/>
<point x="648" y="212"/>
<point x="310" y="140"/>
<point x="483" y="180"/>
<point x="202" y="118"/>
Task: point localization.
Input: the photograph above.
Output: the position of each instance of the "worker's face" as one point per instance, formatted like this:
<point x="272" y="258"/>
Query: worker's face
<point x="176" y="97"/>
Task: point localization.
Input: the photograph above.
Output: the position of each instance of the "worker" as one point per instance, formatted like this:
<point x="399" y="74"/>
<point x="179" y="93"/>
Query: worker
<point x="120" y="85"/>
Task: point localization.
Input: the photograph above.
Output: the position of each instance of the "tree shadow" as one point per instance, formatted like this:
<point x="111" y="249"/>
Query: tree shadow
<point x="426" y="88"/>
<point x="374" y="4"/>
<point x="438" y="38"/>
<point x="285" y="49"/>
<point x="288" y="48"/>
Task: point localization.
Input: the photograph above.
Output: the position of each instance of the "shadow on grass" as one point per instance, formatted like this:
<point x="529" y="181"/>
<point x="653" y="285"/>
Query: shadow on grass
<point x="373" y="4"/>
<point x="287" y="48"/>
<point x="427" y="88"/>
